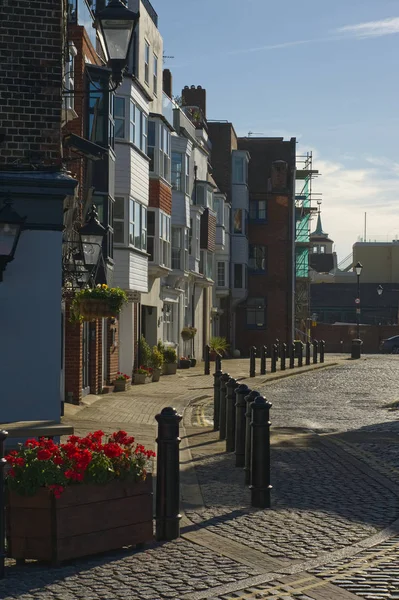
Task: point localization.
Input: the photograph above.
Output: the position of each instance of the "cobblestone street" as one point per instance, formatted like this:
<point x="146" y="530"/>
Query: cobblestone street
<point x="330" y="533"/>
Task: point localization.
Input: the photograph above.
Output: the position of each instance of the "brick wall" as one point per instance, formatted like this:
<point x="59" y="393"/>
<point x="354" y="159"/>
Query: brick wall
<point x="73" y="358"/>
<point x="224" y="140"/>
<point x="160" y="195"/>
<point x="31" y="53"/>
<point x="113" y="351"/>
<point x="339" y="338"/>
<point x="194" y="96"/>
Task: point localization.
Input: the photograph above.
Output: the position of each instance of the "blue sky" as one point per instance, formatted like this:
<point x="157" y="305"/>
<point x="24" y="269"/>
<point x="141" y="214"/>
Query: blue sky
<point x="325" y="72"/>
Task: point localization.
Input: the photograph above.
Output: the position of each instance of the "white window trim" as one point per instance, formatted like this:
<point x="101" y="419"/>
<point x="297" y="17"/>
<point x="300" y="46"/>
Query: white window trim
<point x="147" y="45"/>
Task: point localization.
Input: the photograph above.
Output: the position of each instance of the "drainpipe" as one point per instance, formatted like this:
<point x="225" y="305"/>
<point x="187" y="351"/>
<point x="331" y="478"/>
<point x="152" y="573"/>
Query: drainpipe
<point x="193" y="294"/>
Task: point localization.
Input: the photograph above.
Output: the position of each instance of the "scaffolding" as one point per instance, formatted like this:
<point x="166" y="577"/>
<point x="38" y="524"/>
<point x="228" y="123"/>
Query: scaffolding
<point x="304" y="209"/>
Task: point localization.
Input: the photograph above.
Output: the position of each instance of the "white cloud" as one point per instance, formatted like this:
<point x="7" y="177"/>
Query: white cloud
<point x="372" y="28"/>
<point x="347" y="193"/>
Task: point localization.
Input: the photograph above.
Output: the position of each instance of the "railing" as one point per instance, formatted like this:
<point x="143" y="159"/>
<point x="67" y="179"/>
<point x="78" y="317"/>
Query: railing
<point x="167" y="108"/>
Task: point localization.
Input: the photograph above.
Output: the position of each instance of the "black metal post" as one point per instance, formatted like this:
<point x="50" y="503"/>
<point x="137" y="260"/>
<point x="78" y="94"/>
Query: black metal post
<point x="207" y="364"/>
<point x="278" y="347"/>
<point x="292" y="356"/>
<point x="260" y="454"/>
<point x="3" y="462"/>
<point x="358" y="308"/>
<point x="252" y="361"/>
<point x="231" y="387"/>
<point x="216" y="399"/>
<point x="222" y="406"/>
<point x="248" y="416"/>
<point x="241" y="392"/>
<point x="273" y="367"/>
<point x="168" y="476"/>
<point x="218" y="362"/>
<point x="322" y="350"/>
<point x="307" y="353"/>
<point x="283" y="356"/>
<point x="300" y="355"/>
<point x="315" y="348"/>
<point x="263" y="354"/>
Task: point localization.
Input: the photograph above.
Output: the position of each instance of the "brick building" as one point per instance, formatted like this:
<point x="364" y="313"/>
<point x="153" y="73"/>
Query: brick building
<point x="32" y="178"/>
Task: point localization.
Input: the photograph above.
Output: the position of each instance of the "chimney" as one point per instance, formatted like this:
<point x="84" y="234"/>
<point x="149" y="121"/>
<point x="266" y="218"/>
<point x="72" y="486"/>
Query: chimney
<point x="167" y="82"/>
<point x="194" y="96"/>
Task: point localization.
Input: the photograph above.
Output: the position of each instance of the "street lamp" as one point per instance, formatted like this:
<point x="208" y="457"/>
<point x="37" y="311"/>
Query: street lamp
<point x="358" y="269"/>
<point x="10" y="229"/>
<point x="380" y="289"/>
<point x="117" y="23"/>
<point x="91" y="237"/>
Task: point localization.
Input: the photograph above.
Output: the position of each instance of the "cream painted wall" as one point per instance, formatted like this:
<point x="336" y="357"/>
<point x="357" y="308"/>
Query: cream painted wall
<point x="380" y="261"/>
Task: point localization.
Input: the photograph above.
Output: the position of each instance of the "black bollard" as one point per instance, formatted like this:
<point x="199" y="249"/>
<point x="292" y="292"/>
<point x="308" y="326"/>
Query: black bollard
<point x="307" y="353"/>
<point x="260" y="454"/>
<point x="292" y="356"/>
<point x="216" y="399"/>
<point x="278" y="347"/>
<point x="252" y="361"/>
<point x="322" y="350"/>
<point x="248" y="415"/>
<point x="207" y="359"/>
<point x="300" y="354"/>
<point x="263" y="354"/>
<point x="283" y="356"/>
<point x="273" y="367"/>
<point x="3" y="462"/>
<point x="218" y="362"/>
<point x="222" y="406"/>
<point x="315" y="348"/>
<point x="167" y="515"/>
<point x="241" y="392"/>
<point x="231" y="387"/>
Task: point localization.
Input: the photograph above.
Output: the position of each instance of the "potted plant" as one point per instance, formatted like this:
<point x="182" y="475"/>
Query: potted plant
<point x="188" y="333"/>
<point x="85" y="496"/>
<point x="156" y="363"/>
<point x="97" y="303"/>
<point x="218" y="345"/>
<point x="170" y="361"/>
<point x="184" y="363"/>
<point x="140" y="375"/>
<point x="193" y="361"/>
<point x="122" y="382"/>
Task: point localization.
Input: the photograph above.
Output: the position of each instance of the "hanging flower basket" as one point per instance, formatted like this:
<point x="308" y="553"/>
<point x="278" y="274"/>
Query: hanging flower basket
<point x="100" y="302"/>
<point x="188" y="333"/>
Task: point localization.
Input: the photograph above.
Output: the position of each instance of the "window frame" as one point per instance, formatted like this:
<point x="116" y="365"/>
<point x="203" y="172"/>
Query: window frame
<point x="121" y="118"/>
<point x="221" y="274"/>
<point x="259" y="306"/>
<point x="176" y="176"/>
<point x="117" y="219"/>
<point x="253" y="249"/>
<point x="155" y="74"/>
<point x="254" y="215"/>
<point x="147" y="62"/>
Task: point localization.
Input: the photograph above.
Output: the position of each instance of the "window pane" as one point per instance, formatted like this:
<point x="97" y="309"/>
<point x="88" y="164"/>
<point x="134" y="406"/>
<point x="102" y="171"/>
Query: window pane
<point x="132" y="130"/>
<point x="238" y="220"/>
<point x="238" y="170"/>
<point x="177" y="168"/>
<point x="151" y="223"/>
<point x="200" y="194"/>
<point x="119" y="230"/>
<point x="137" y="229"/>
<point x="150" y="248"/>
<point x="131" y="234"/>
<point x="237" y="276"/>
<point x="143" y="227"/>
<point x="119" y="209"/>
<point x="137" y="134"/>
<point x="119" y="107"/>
<point x="151" y="133"/>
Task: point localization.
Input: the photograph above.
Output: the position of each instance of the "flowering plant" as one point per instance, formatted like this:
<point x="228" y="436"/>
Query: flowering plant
<point x="115" y="298"/>
<point x="122" y="377"/>
<point x="142" y="370"/>
<point x="90" y="459"/>
<point x="184" y="358"/>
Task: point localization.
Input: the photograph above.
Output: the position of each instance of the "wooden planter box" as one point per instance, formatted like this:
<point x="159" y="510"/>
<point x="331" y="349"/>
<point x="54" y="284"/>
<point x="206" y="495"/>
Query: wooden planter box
<point x="95" y="308"/>
<point x="121" y="385"/>
<point x="87" y="519"/>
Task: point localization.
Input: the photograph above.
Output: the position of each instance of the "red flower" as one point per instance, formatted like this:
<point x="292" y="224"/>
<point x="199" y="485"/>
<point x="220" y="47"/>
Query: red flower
<point x="19" y="462"/>
<point x="56" y="489"/>
<point x="58" y="460"/>
<point x="73" y="439"/>
<point x="44" y="454"/>
<point x="112" y="450"/>
<point x="11" y="473"/>
<point x="32" y="443"/>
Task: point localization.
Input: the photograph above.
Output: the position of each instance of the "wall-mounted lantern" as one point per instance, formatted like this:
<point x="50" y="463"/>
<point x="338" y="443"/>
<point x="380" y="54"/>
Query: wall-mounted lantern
<point x="11" y="224"/>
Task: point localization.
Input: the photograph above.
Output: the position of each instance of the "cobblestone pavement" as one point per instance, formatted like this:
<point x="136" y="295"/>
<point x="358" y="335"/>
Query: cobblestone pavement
<point x="167" y="571"/>
<point x="320" y="502"/>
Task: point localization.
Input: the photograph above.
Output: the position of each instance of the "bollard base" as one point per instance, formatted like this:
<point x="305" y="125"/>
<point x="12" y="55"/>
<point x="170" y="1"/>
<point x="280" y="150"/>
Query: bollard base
<point x="261" y="497"/>
<point x="240" y="460"/>
<point x="167" y="529"/>
<point x="247" y="476"/>
<point x="356" y="349"/>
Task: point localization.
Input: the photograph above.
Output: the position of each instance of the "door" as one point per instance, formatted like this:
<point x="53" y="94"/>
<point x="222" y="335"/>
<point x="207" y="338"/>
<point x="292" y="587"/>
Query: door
<point x="86" y="359"/>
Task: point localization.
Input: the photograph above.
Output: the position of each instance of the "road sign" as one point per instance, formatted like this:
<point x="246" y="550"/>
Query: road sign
<point x="358" y="311"/>
<point x="357" y="301"/>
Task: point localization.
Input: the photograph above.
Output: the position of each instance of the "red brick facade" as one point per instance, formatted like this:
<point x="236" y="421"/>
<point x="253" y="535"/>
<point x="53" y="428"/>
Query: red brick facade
<point x="208" y="231"/>
<point x="160" y="195"/>
<point x="31" y="49"/>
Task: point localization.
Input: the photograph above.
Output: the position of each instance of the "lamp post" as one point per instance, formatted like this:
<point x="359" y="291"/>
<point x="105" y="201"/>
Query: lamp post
<point x="358" y="270"/>
<point x="10" y="230"/>
<point x="116" y="24"/>
<point x="91" y="237"/>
